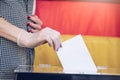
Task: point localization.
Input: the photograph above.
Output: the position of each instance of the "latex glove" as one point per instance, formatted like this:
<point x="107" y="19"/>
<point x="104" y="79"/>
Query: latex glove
<point x="32" y="40"/>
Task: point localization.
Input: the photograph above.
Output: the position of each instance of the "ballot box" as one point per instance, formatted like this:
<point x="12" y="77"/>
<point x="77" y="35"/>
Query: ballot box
<point x="48" y="72"/>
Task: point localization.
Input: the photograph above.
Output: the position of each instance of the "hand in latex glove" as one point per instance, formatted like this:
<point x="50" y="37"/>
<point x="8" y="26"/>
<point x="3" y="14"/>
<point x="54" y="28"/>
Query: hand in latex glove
<point x="32" y="40"/>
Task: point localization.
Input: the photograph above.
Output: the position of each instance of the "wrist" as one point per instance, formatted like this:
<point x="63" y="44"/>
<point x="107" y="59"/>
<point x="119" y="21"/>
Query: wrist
<point x="22" y="38"/>
<point x="18" y="38"/>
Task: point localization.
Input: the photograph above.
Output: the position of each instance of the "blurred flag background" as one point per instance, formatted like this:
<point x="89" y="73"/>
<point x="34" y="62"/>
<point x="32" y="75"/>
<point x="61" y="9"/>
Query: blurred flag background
<point x="98" y="21"/>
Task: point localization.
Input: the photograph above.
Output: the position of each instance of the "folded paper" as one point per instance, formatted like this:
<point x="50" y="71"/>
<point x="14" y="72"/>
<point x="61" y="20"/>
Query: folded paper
<point x="75" y="57"/>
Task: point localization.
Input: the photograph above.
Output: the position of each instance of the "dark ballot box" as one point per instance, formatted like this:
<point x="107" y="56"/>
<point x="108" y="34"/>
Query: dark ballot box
<point x="47" y="72"/>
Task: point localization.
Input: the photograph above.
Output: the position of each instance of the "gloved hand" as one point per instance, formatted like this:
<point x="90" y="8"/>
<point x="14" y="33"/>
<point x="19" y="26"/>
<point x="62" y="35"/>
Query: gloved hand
<point x="31" y="40"/>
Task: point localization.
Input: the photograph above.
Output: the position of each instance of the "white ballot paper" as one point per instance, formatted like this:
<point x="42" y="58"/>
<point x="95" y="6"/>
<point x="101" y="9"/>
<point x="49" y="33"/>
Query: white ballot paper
<point x="75" y="57"/>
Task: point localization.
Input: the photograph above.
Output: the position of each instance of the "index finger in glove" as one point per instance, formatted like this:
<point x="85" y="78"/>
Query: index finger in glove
<point x="56" y="41"/>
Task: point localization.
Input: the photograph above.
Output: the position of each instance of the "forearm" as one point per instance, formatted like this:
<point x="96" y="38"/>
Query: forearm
<point x="9" y="31"/>
<point x="30" y="40"/>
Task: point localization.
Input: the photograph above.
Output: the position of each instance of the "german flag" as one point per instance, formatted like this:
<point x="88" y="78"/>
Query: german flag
<point x="98" y="21"/>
